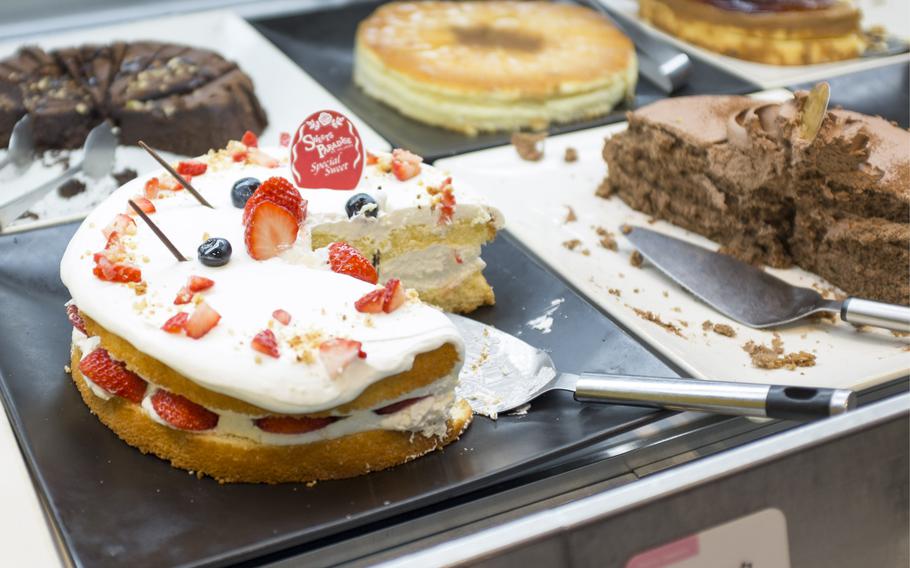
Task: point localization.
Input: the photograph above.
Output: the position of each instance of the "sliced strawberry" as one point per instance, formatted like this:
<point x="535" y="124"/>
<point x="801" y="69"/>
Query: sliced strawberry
<point x="176" y="323"/>
<point x="371" y="302"/>
<point x="191" y="168"/>
<point x="144" y="204"/>
<point x="182" y="413"/>
<point x="405" y="165"/>
<point x="204" y="318"/>
<point x="393" y="295"/>
<point x="279" y="191"/>
<point x="265" y="342"/>
<point x="116" y="272"/>
<point x="112" y="376"/>
<point x="257" y="157"/>
<point x="282" y="316"/>
<point x="170" y="183"/>
<point x="199" y="283"/>
<point x="270" y="230"/>
<point x="249" y="139"/>
<point x="336" y="354"/>
<point x="72" y="313"/>
<point x="396" y="406"/>
<point x="285" y="139"/>
<point x="184" y="296"/>
<point x="239" y="156"/>
<point x="152" y="187"/>
<point x="371" y="158"/>
<point x="345" y="259"/>
<point x="123" y="224"/>
<point x="292" y="424"/>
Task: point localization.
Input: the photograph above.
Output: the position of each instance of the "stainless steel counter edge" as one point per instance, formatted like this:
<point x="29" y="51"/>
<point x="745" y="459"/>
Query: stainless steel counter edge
<point x="480" y="545"/>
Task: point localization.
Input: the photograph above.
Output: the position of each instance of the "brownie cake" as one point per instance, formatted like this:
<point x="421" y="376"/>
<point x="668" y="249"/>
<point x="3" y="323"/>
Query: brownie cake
<point x="177" y="98"/>
<point x="745" y="174"/>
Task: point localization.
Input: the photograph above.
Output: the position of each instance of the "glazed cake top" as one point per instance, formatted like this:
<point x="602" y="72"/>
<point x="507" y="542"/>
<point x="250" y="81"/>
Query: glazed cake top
<point x="247" y="291"/>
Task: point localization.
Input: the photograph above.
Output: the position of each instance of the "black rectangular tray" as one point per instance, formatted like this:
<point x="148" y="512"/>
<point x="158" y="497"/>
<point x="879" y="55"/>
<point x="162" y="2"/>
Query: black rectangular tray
<point x="322" y="43"/>
<point x="111" y="504"/>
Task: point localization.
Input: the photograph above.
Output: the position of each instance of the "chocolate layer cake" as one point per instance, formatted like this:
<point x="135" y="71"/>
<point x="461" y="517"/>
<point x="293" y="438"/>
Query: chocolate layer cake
<point x="742" y="173"/>
<point x="177" y="98"/>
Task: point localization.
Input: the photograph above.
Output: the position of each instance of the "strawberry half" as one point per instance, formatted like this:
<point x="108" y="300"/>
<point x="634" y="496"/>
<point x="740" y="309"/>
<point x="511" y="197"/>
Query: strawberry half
<point x="282" y="316"/>
<point x="123" y="224"/>
<point x="405" y="165"/>
<point x="191" y="168"/>
<point x="176" y="323"/>
<point x="72" y="313"/>
<point x="293" y="425"/>
<point x="387" y="300"/>
<point x="204" y="318"/>
<point x="182" y="413"/>
<point x="265" y="342"/>
<point x="279" y="191"/>
<point x="396" y="406"/>
<point x="336" y="354"/>
<point x="112" y="376"/>
<point x="371" y="302"/>
<point x="199" y="283"/>
<point x="271" y="229"/>
<point x="345" y="259"/>
<point x="249" y="139"/>
<point x="115" y="271"/>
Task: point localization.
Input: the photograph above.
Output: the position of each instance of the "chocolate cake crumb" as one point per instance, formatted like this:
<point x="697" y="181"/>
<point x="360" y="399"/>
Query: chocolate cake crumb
<point x="71" y="188"/>
<point x="571" y="155"/>
<point x="605" y="189"/>
<point x="654" y="318"/>
<point x="124" y="175"/>
<point x="571" y="217"/>
<point x="707" y="325"/>
<point x="625" y="229"/>
<point x="528" y="145"/>
<point x="572" y="244"/>
<point x="764" y="357"/>
<point x="724" y="329"/>
<point x="615" y="292"/>
<point x="607" y="239"/>
<point x="635" y="259"/>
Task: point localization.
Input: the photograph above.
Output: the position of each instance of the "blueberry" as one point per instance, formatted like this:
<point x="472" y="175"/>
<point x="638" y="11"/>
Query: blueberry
<point x="356" y="204"/>
<point x="215" y="252"/>
<point x="242" y="190"/>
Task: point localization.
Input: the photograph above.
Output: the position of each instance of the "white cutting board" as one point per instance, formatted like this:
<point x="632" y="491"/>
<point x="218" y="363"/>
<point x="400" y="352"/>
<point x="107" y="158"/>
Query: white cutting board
<point x="534" y="197"/>
<point x="285" y="91"/>
<point x="894" y="15"/>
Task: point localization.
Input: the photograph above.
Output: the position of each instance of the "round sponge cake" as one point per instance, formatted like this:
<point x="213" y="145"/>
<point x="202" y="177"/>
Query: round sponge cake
<point x="487" y="66"/>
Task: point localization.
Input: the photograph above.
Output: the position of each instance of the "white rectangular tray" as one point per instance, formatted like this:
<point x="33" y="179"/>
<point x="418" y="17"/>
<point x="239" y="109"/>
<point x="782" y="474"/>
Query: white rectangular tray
<point x="286" y="92"/>
<point x="535" y="196"/>
<point x="894" y="15"/>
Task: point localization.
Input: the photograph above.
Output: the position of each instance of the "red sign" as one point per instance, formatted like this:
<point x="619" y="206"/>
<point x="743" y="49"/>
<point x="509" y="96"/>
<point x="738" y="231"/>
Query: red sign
<point x="327" y="152"/>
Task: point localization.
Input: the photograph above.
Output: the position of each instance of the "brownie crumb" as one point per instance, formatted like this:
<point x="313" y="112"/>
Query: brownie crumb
<point x="625" y="229"/>
<point x="71" y="188"/>
<point x="572" y="244"/>
<point x="635" y="259"/>
<point x="607" y="239"/>
<point x="571" y="217"/>
<point x="773" y="357"/>
<point x="604" y="190"/>
<point x="124" y="176"/>
<point x="571" y="155"/>
<point x="615" y="292"/>
<point x="528" y="145"/>
<point x="654" y="318"/>
<point x="724" y="329"/>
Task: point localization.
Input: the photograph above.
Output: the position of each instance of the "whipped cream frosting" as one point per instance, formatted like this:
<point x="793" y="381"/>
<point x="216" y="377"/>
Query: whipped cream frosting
<point x="247" y="291"/>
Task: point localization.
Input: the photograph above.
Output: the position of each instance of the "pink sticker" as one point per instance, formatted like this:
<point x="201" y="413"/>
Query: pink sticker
<point x="327" y="152"/>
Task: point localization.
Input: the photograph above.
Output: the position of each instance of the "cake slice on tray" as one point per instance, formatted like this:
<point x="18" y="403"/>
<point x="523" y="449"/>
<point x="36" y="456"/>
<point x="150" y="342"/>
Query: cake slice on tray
<point x="277" y="352"/>
<point x="745" y="173"/>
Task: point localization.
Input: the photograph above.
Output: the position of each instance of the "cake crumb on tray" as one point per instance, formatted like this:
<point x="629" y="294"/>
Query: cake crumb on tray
<point x="764" y="357"/>
<point x="529" y="145"/>
<point x="718" y="328"/>
<point x="654" y="318"/>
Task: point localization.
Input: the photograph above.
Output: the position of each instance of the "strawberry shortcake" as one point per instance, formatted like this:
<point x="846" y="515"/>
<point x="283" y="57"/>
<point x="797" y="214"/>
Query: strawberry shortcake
<point x="292" y="343"/>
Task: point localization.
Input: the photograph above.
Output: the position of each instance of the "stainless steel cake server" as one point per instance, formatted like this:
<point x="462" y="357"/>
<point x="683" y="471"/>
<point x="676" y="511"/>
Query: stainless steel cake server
<point x="97" y="162"/>
<point x="503" y="373"/>
<point x="750" y="295"/>
<point x="21" y="150"/>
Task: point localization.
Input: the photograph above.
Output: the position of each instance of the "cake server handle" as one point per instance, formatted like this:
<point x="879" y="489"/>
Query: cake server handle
<point x="11" y="209"/>
<point x="878" y="314"/>
<point x="717" y="397"/>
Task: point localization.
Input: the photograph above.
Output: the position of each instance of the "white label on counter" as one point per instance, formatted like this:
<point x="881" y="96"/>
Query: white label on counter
<point x="758" y="540"/>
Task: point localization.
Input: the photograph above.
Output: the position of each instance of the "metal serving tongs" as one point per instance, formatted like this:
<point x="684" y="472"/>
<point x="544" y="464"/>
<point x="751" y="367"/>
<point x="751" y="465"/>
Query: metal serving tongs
<point x="661" y="64"/>
<point x="97" y="162"/>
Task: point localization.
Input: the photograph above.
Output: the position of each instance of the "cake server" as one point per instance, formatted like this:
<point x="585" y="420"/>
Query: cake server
<point x="503" y="373"/>
<point x="21" y="150"/>
<point x="97" y="162"/>
<point x="750" y="295"/>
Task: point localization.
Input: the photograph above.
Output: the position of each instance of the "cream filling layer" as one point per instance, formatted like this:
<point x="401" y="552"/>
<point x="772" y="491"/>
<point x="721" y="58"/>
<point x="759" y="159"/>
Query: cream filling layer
<point x="427" y="417"/>
<point x="435" y="267"/>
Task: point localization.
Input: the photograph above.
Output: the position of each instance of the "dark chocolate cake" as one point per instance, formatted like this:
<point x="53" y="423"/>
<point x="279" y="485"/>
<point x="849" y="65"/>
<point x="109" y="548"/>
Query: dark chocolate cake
<point x="176" y="98"/>
<point x="738" y="171"/>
